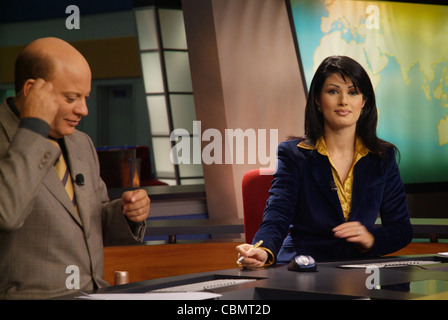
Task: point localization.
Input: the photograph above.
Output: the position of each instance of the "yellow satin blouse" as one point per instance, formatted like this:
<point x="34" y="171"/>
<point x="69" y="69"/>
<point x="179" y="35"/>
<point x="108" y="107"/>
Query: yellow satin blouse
<point x="344" y="188"/>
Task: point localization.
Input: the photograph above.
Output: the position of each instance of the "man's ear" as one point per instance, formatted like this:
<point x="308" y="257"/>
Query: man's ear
<point x="27" y="86"/>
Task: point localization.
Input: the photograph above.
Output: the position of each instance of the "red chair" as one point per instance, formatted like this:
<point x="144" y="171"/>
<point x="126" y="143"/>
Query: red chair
<point x="255" y="188"/>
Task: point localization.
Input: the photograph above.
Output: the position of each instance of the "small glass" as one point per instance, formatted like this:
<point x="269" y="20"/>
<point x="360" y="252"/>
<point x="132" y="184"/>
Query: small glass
<point x="134" y="172"/>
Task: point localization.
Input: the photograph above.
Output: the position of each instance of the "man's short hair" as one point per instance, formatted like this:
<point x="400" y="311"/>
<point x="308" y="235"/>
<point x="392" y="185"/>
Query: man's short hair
<point x="31" y="65"/>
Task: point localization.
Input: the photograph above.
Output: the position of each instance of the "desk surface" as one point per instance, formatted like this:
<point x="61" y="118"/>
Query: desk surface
<point x="329" y="282"/>
<point x="147" y="262"/>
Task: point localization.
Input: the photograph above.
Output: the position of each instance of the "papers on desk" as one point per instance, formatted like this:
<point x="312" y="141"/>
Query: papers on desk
<point x="151" y="296"/>
<point x="391" y="264"/>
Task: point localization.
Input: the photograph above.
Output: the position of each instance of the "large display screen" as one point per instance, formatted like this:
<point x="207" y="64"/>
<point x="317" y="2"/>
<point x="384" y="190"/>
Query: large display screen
<point x="404" y="48"/>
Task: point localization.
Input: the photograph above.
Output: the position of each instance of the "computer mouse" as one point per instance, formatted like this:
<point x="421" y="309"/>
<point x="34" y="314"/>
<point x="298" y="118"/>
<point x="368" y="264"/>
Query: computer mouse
<point x="303" y="263"/>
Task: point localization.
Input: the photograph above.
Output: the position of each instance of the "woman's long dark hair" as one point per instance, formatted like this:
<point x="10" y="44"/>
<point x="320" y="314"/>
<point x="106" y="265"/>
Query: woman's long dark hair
<point x="367" y="122"/>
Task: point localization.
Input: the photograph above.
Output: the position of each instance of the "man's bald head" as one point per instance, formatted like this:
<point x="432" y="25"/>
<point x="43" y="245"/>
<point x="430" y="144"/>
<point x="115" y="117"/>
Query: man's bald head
<point x="55" y="80"/>
<point x="40" y="59"/>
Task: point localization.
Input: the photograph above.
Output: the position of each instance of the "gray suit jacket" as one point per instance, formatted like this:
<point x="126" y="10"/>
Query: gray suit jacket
<point x="41" y="235"/>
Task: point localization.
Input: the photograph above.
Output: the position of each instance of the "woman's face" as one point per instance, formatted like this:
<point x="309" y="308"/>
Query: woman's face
<point x="341" y="103"/>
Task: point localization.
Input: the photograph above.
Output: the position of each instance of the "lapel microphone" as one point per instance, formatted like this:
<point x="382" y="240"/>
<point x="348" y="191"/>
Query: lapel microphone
<point x="79" y="179"/>
<point x="332" y="185"/>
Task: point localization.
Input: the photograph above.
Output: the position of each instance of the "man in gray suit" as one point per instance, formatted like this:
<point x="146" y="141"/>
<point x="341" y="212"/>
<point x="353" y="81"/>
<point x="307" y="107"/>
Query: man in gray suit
<point x="49" y="245"/>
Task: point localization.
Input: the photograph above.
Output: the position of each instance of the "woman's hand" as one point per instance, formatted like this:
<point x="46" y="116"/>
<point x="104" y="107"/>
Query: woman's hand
<point x="253" y="258"/>
<point x="356" y="233"/>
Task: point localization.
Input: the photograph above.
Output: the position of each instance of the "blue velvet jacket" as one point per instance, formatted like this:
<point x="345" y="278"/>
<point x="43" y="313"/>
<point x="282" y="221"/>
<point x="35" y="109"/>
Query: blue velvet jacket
<point x="302" y="208"/>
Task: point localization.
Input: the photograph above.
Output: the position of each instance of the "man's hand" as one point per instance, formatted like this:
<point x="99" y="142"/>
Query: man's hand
<point x="39" y="100"/>
<point x="136" y="205"/>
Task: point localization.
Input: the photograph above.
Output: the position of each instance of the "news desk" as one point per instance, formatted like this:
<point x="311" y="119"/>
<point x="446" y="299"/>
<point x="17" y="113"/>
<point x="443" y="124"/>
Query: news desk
<point x="329" y="282"/>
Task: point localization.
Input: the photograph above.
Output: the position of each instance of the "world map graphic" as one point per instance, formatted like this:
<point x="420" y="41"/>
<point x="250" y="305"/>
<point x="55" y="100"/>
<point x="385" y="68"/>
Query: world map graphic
<point x="404" y="49"/>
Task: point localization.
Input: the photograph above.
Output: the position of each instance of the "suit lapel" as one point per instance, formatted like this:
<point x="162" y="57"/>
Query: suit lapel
<point x="54" y="185"/>
<point x="362" y="177"/>
<point x="77" y="166"/>
<point x="320" y="169"/>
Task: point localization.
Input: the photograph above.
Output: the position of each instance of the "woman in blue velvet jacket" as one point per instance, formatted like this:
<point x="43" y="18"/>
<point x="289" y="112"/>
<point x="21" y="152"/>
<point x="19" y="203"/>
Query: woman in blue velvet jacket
<point x="330" y="186"/>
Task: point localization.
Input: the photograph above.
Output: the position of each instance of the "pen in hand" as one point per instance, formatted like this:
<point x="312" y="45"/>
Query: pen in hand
<point x="253" y="247"/>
